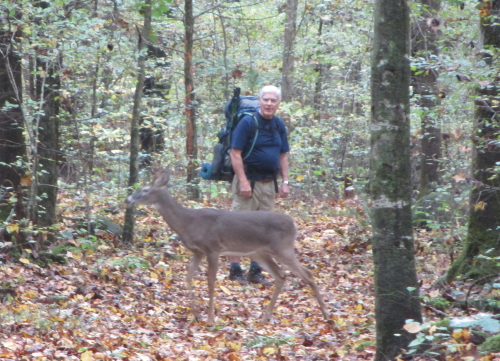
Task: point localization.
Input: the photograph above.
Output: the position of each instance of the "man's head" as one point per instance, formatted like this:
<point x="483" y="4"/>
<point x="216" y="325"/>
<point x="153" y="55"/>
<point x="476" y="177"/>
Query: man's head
<point x="269" y="101"/>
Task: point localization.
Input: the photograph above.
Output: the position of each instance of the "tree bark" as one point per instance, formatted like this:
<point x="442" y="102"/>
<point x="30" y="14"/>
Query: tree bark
<point x="12" y="142"/>
<point x="396" y="287"/>
<point x="224" y="54"/>
<point x="190" y="103"/>
<point x="425" y="35"/>
<point x="288" y="52"/>
<point x="318" y="85"/>
<point x="128" y="228"/>
<point x="46" y="172"/>
<point x="484" y="214"/>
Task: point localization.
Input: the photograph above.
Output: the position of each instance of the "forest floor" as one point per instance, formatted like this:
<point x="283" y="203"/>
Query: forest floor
<point x="116" y="302"/>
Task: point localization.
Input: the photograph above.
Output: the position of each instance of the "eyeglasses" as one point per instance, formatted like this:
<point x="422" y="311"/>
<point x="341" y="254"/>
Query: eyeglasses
<point x="272" y="100"/>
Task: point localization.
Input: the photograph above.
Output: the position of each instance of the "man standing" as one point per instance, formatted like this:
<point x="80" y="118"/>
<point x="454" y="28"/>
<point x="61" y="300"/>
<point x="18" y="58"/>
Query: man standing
<point x="255" y="181"/>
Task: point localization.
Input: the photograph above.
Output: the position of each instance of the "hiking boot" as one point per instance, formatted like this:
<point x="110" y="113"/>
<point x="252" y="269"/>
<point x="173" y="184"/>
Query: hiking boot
<point x="236" y="274"/>
<point x="258" y="278"/>
<point x="255" y="275"/>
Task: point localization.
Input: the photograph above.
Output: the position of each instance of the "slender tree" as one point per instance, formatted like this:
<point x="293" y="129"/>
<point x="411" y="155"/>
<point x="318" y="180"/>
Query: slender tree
<point x="288" y="53"/>
<point x="224" y="53"/>
<point x="45" y="172"/>
<point x="425" y="33"/>
<point x="190" y="101"/>
<point x="484" y="215"/>
<point x="396" y="287"/>
<point x="320" y="69"/>
<point x="12" y="142"/>
<point x="128" y="229"/>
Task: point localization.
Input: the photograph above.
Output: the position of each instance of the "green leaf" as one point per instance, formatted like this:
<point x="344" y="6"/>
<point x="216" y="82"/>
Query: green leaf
<point x="420" y="338"/>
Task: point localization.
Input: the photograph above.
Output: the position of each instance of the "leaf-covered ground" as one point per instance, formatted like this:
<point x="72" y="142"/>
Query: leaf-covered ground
<point x="117" y="302"/>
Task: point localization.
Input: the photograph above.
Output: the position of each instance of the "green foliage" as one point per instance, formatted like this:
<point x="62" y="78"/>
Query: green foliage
<point x="438" y="303"/>
<point x="479" y="326"/>
<point x="445" y="207"/>
<point x="443" y="324"/>
<point x="492" y="344"/>
<point x="44" y="319"/>
<point x="46" y="258"/>
<point x="270" y="341"/>
<point x="364" y="344"/>
<point x="237" y="44"/>
<point x="131" y="263"/>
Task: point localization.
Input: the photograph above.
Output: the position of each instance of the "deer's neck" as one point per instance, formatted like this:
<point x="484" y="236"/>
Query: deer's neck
<point x="177" y="217"/>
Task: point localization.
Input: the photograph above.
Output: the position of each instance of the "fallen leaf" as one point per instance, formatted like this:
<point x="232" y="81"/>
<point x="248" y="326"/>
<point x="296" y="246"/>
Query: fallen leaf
<point x="268" y="351"/>
<point x="460" y="177"/>
<point x="480" y="206"/>
<point x="87" y="356"/>
<point x="412" y="327"/>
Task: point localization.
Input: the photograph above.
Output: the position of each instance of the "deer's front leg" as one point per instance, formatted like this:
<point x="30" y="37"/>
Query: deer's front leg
<point x="213" y="265"/>
<point x="192" y="268"/>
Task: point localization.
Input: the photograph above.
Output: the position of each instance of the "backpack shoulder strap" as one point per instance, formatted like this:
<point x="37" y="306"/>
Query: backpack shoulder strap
<point x="256" y="132"/>
<point x="280" y="124"/>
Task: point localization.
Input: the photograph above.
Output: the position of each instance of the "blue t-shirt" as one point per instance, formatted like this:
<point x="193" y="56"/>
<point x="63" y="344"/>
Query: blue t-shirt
<point x="264" y="160"/>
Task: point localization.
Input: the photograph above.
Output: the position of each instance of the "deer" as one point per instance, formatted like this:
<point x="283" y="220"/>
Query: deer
<point x="261" y="235"/>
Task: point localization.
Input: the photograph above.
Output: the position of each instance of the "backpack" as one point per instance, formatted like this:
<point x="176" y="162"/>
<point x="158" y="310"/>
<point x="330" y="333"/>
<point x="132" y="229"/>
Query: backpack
<point x="235" y="110"/>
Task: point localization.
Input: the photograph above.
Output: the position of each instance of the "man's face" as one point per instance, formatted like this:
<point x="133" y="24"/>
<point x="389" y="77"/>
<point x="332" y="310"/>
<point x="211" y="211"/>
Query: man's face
<point x="269" y="104"/>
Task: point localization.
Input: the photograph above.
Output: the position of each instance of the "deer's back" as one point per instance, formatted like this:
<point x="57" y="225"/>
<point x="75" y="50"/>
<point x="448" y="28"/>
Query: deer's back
<point x="242" y="232"/>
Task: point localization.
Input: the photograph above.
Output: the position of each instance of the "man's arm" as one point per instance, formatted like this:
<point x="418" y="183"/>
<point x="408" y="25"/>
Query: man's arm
<point x="237" y="162"/>
<point x="284" y="188"/>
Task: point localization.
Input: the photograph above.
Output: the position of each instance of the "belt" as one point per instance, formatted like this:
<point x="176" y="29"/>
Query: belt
<point x="267" y="180"/>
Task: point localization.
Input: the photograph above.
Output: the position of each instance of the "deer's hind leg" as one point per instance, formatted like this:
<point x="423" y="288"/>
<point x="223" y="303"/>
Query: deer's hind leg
<point x="290" y="260"/>
<point x="268" y="263"/>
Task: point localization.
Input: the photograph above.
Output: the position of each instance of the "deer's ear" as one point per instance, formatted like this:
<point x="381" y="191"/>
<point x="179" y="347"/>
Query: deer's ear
<point x="162" y="178"/>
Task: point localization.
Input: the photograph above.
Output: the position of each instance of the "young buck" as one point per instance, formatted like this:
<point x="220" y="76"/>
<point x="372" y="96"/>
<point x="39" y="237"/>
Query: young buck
<point x="211" y="233"/>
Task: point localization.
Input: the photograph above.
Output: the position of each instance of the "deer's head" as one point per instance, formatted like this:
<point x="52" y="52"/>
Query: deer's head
<point x="149" y="193"/>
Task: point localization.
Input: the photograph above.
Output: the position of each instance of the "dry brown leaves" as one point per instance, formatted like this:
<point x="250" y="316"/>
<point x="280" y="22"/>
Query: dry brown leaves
<point x="112" y="302"/>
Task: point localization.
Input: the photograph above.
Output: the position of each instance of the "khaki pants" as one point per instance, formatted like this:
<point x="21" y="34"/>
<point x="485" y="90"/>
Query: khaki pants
<point x="263" y="197"/>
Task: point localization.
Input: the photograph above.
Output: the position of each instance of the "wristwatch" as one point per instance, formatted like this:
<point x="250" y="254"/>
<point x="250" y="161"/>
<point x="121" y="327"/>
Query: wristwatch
<point x="285" y="182"/>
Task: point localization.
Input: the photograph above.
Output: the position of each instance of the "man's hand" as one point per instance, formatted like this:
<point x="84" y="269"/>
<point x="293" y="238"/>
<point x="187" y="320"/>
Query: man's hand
<point x="245" y="188"/>
<point x="237" y="161"/>
<point x="284" y="190"/>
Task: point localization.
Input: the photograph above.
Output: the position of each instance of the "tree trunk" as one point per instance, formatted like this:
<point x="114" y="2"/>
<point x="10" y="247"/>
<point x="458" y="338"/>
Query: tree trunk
<point x="425" y="35"/>
<point x="396" y="287"/>
<point x="224" y="54"/>
<point x="484" y="214"/>
<point x="128" y="228"/>
<point x="190" y="103"/>
<point x="12" y="142"/>
<point x="46" y="173"/>
<point x="318" y="86"/>
<point x="288" y="53"/>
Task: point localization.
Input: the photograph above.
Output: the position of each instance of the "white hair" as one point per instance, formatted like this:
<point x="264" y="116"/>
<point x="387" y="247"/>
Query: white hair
<point x="270" y="89"/>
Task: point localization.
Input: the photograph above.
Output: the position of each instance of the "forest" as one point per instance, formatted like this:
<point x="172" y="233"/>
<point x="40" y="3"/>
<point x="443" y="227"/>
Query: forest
<point x="391" y="109"/>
